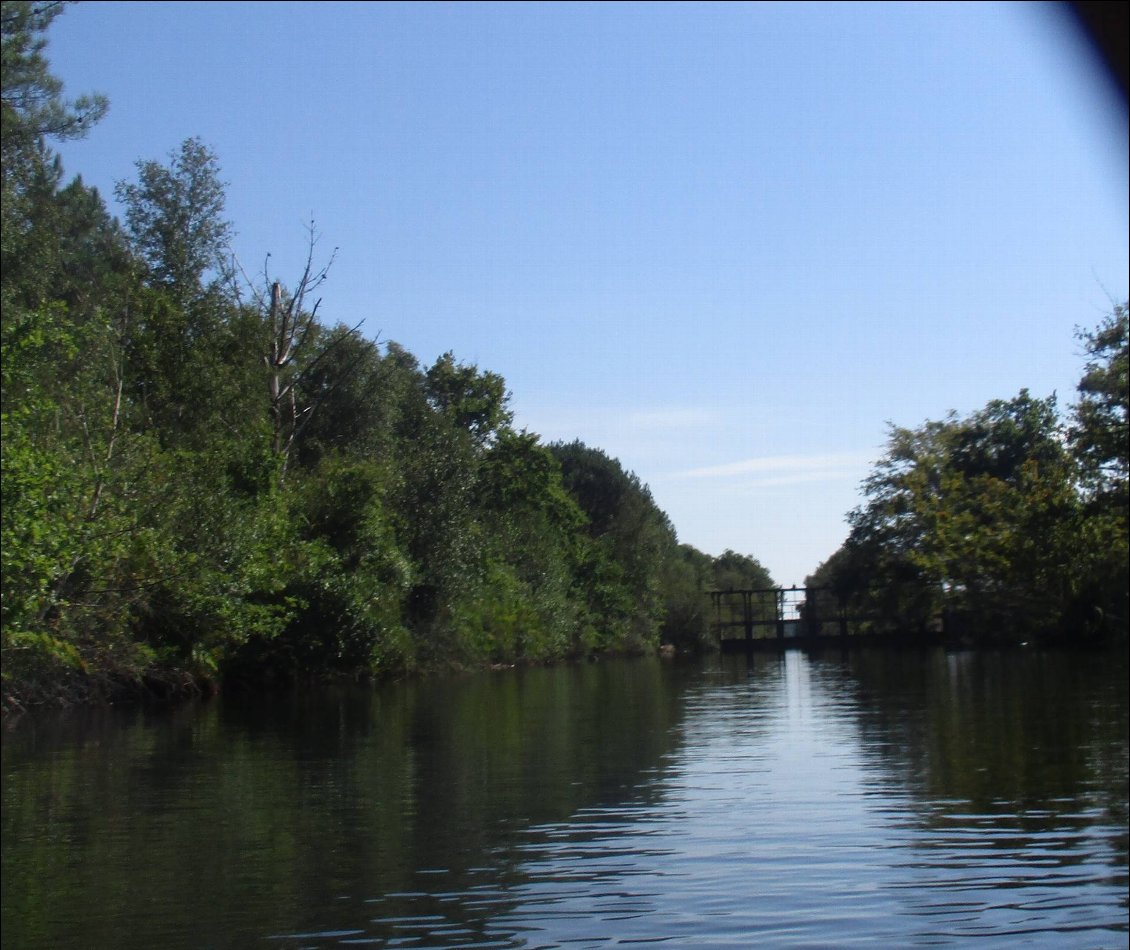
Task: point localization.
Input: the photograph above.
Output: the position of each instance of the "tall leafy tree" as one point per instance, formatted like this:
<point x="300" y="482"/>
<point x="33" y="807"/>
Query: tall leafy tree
<point x="195" y="356"/>
<point x="174" y="214"/>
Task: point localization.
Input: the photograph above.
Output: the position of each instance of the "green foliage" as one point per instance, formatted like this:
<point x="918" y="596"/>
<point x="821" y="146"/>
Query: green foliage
<point x="1100" y="436"/>
<point x="174" y="217"/>
<point x="1100" y="442"/>
<point x="630" y="544"/>
<point x="355" y="397"/>
<point x="348" y="579"/>
<point x="504" y="620"/>
<point x="60" y="245"/>
<point x="524" y="607"/>
<point x="432" y="504"/>
<point x="33" y="107"/>
<point x="977" y="521"/>
<point x="54" y="441"/>
<point x="468" y="399"/>
<point x="733" y="571"/>
<point x="686" y="578"/>
<point x="150" y="540"/>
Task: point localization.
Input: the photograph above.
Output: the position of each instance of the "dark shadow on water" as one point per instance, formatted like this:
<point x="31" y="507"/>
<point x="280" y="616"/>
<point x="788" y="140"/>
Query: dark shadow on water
<point x="337" y="809"/>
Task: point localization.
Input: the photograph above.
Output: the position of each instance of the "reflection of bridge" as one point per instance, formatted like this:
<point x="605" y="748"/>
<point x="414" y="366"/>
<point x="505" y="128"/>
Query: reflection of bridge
<point x="779" y="616"/>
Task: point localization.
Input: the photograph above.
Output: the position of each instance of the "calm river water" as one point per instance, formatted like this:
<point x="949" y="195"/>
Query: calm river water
<point x="891" y="799"/>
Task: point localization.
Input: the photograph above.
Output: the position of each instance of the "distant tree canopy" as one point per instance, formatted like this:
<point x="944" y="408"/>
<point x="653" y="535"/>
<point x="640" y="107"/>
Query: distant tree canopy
<point x="1007" y="523"/>
<point x="733" y="571"/>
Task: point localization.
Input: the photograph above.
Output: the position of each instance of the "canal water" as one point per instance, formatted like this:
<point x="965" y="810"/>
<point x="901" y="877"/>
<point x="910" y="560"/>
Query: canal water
<point x="826" y="800"/>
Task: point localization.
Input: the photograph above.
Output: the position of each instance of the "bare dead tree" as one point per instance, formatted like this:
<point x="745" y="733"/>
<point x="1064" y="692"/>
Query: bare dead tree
<point x="292" y="322"/>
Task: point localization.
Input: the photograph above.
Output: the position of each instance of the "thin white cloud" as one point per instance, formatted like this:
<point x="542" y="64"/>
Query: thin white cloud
<point x="669" y="418"/>
<point x="792" y="468"/>
<point x="803" y="478"/>
<point x="800" y="478"/>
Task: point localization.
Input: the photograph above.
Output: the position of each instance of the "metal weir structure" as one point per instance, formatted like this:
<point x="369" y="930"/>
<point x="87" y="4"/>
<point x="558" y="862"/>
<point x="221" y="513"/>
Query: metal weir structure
<point x="769" y="617"/>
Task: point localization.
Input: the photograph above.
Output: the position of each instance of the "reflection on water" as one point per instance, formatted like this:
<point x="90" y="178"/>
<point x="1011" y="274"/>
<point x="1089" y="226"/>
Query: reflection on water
<point x="864" y="797"/>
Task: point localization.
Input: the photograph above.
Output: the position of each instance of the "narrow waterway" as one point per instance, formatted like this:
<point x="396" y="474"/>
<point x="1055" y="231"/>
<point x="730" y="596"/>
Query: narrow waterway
<point x="894" y="799"/>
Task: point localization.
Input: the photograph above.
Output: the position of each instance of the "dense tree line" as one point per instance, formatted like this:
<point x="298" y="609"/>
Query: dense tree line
<point x="205" y="481"/>
<point x="1010" y="523"/>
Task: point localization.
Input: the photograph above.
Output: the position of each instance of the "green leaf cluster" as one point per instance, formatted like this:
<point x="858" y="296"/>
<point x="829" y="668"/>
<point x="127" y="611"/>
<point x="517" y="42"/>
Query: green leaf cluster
<point x="1009" y="523"/>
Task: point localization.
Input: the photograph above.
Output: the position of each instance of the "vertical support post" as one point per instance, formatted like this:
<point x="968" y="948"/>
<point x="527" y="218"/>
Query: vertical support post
<point x="716" y="599"/>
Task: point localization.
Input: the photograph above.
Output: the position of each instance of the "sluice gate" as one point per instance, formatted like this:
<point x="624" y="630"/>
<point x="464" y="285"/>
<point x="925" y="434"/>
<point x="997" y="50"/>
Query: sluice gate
<point x="776" y="617"/>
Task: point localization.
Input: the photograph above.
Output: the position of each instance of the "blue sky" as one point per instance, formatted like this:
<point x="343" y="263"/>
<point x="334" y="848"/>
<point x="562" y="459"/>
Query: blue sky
<point x="725" y="243"/>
